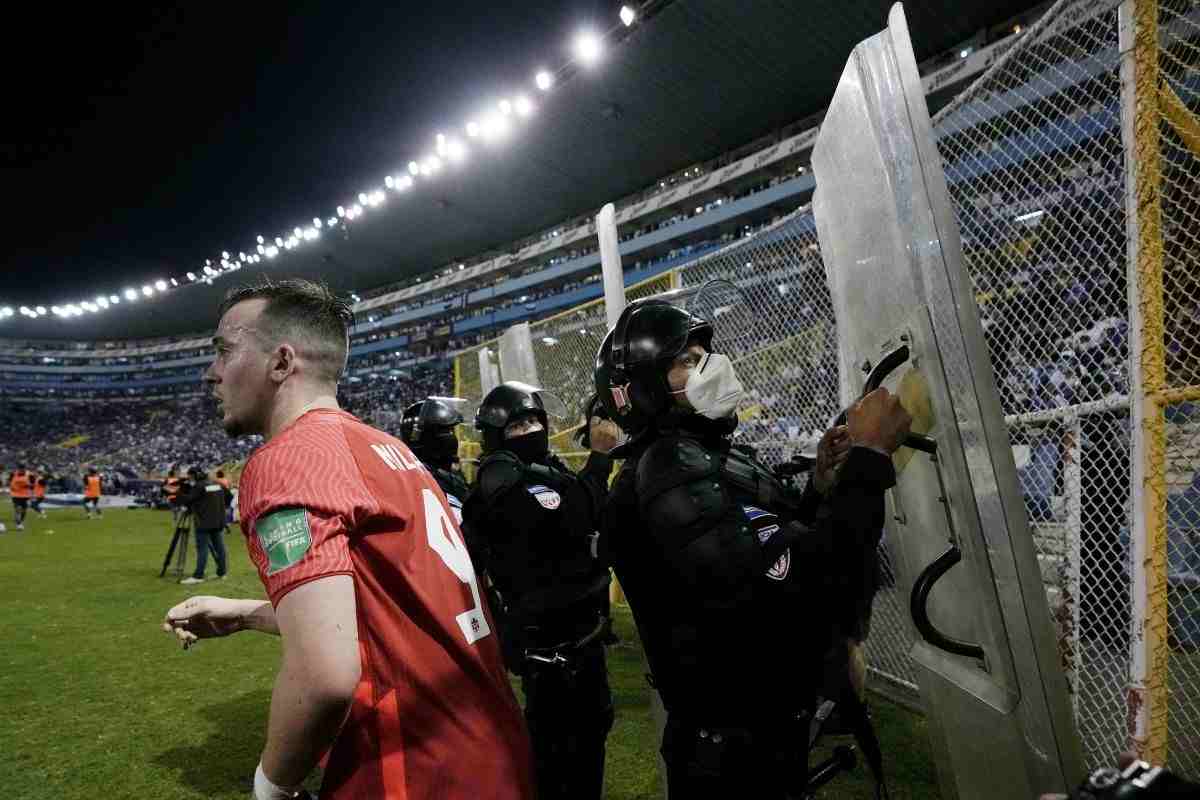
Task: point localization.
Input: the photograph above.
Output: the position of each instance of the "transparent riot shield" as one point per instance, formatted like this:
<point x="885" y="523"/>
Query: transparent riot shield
<point x="987" y="661"/>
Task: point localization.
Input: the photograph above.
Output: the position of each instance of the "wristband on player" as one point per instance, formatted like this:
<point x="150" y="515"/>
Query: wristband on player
<point x="264" y="789"/>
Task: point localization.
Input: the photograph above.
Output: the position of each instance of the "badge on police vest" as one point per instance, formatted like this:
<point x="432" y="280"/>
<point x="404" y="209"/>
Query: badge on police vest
<point x="549" y="498"/>
<point x="765" y="527"/>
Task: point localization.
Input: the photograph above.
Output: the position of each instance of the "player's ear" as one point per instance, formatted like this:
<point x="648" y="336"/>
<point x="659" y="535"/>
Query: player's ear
<point x="283" y="362"/>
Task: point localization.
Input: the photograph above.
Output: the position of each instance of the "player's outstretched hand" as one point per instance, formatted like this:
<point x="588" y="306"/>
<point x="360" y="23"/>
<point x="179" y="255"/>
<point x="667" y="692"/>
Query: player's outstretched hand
<point x="878" y="421"/>
<point x="204" y="617"/>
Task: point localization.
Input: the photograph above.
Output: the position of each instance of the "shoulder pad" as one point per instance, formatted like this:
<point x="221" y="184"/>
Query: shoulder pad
<point x="498" y="473"/>
<point x="673" y="461"/>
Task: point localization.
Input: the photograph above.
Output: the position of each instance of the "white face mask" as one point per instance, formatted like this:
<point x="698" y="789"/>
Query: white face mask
<point x="713" y="387"/>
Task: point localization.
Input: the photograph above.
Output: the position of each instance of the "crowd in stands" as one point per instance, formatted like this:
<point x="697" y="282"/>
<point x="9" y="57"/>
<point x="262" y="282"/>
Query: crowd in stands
<point x="146" y="438"/>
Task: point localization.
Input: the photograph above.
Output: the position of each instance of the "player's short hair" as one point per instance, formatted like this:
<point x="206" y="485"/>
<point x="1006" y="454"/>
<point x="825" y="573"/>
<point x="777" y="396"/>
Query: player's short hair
<point x="306" y="314"/>
<point x="220" y="473"/>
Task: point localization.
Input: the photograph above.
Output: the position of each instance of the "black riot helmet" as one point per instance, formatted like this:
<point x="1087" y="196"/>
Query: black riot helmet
<point x="631" y="367"/>
<point x="508" y="402"/>
<point x="427" y="428"/>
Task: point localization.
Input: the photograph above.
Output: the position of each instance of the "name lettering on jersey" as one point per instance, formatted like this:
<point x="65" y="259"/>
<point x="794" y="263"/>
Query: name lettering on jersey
<point x="212" y="487"/>
<point x="285" y="537"/>
<point x="549" y="498"/>
<point x="395" y="458"/>
<point x="766" y="525"/>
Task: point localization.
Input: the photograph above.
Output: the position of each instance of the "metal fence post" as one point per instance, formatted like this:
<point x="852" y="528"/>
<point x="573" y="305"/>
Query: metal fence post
<point x="1146" y="711"/>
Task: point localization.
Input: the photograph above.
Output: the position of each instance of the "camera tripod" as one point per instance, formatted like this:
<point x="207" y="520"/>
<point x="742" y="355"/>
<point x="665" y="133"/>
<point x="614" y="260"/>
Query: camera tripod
<point x="179" y="543"/>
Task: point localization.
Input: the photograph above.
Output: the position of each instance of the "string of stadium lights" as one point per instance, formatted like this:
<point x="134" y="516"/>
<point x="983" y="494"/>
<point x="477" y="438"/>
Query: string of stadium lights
<point x="489" y="126"/>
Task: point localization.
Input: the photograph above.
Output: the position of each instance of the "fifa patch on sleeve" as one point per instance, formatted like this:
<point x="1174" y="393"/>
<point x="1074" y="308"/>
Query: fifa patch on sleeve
<point x="285" y="537"/>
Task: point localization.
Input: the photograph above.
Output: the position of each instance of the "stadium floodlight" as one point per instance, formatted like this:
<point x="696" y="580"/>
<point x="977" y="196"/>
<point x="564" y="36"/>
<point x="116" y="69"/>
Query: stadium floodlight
<point x="456" y="151"/>
<point x="332" y="221"/>
<point x="225" y="254"/>
<point x="40" y="310"/>
<point x="297" y="231"/>
<point x="472" y="129"/>
<point x="389" y="182"/>
<point x="310" y="234"/>
<point x="356" y="209"/>
<point x="414" y="168"/>
<point x="161" y="285"/>
<point x="260" y="252"/>
<point x="55" y="310"/>
<point x="543" y="80"/>
<point x="131" y="294"/>
<point x="317" y="222"/>
<point x="505" y="107"/>
<point x="24" y="309"/>
<point x="147" y="290"/>
<point x="587" y="48"/>
<point x="112" y="298"/>
<point x="431" y="165"/>
<point x="191" y="276"/>
<point x="272" y="251"/>
<point x="279" y="241"/>
<point x="523" y="105"/>
<point x="441" y="144"/>
<point x="405" y="182"/>
<point x="341" y="211"/>
<point x="102" y="302"/>
<point x="628" y="15"/>
<point x="261" y="239"/>
<point x="494" y="127"/>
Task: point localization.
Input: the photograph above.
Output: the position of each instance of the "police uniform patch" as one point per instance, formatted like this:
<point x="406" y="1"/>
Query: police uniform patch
<point x="549" y="498"/>
<point x="765" y="526"/>
<point x="285" y="537"/>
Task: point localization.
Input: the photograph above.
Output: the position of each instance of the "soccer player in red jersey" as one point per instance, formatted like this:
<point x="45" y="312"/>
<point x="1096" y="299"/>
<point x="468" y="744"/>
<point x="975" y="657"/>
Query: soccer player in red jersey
<point x="390" y="657"/>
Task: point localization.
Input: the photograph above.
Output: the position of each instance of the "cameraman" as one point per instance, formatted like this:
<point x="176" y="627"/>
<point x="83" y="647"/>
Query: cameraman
<point x="206" y="501"/>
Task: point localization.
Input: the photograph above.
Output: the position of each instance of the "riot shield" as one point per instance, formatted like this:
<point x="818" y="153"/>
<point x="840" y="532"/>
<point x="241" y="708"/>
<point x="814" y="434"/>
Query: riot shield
<point x="987" y="661"/>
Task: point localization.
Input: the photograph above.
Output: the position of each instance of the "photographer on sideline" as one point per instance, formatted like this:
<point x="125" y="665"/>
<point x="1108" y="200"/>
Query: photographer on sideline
<point x="206" y="500"/>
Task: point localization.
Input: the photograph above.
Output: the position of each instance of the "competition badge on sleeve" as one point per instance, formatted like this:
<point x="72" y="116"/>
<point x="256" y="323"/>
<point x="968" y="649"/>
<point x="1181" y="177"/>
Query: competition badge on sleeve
<point x="285" y="538"/>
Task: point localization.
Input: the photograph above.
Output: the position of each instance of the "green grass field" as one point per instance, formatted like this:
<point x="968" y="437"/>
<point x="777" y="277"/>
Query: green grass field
<point x="95" y="701"/>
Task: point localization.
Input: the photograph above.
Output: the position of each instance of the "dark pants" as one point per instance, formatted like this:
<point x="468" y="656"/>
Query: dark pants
<point x="205" y="538"/>
<point x="94" y="502"/>
<point x="718" y="763"/>
<point x="569" y="713"/>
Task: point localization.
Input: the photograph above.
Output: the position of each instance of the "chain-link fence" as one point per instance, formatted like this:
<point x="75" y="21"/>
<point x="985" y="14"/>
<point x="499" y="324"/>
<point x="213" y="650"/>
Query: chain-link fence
<point x="1035" y="163"/>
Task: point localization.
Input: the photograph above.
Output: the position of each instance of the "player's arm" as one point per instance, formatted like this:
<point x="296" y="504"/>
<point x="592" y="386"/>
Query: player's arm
<point x="317" y="677"/>
<point x="204" y="617"/>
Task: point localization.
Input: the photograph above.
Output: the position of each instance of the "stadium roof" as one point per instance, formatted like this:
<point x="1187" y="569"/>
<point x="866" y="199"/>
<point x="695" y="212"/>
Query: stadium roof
<point x="698" y="78"/>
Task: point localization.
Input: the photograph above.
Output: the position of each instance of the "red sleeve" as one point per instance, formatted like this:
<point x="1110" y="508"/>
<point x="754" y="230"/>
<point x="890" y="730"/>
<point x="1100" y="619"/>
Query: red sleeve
<point x="292" y="546"/>
<point x="295" y="522"/>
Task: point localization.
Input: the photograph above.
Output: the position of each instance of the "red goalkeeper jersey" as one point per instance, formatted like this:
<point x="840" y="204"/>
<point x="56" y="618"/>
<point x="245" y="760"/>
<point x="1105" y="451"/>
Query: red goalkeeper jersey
<point x="434" y="717"/>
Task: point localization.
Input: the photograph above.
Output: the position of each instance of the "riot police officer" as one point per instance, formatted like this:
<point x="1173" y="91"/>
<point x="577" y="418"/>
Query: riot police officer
<point x="427" y="428"/>
<point x="530" y="524"/>
<point x="738" y="583"/>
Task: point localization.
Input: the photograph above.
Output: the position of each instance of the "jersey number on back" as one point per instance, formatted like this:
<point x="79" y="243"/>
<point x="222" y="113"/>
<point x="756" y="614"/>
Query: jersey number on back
<point x="443" y="538"/>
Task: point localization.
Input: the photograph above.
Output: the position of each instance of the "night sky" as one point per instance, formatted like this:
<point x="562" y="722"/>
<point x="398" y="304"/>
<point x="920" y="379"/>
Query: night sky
<point x="138" y="141"/>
